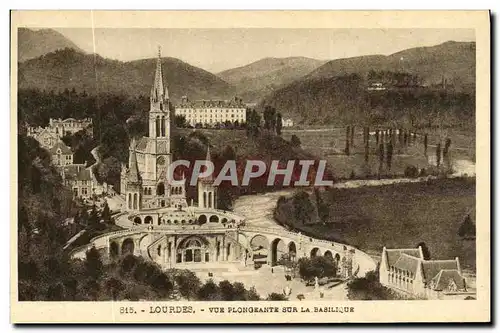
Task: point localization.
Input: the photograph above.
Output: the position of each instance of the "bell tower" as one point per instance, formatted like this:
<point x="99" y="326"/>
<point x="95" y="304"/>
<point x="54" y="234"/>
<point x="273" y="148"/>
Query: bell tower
<point x="159" y="112"/>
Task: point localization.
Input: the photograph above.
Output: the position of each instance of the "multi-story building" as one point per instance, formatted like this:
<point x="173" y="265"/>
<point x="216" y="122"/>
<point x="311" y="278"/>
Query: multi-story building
<point x="82" y="181"/>
<point x="406" y="271"/>
<point x="58" y="128"/>
<point x="210" y="112"/>
<point x="287" y="122"/>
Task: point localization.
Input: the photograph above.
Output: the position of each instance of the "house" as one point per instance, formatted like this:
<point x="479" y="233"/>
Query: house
<point x="82" y="181"/>
<point x="61" y="154"/>
<point x="287" y="122"/>
<point x="211" y="112"/>
<point x="406" y="271"/>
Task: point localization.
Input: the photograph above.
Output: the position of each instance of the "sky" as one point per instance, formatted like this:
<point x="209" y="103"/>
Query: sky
<point x="216" y="50"/>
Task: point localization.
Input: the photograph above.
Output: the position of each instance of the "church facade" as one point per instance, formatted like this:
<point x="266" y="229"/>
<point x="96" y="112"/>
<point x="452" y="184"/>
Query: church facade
<point x="144" y="181"/>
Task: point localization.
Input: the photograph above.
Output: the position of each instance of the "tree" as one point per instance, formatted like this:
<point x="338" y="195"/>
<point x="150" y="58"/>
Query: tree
<point x="295" y="141"/>
<point x="425" y="250"/>
<point x="425" y="144"/>
<point x="380" y="158"/>
<point x="276" y="297"/>
<point x="187" y="283"/>
<point x="389" y="155"/>
<point x="467" y="228"/>
<point x="368" y="288"/>
<point x="318" y="266"/>
<point x="93" y="263"/>
<point x="209" y="292"/>
<point x="438" y="154"/>
<point x="227" y="290"/>
<point x="367" y="143"/>
<point x="347" y="144"/>
<point x="279" y="123"/>
<point x="446" y="156"/>
<point x="303" y="208"/>
<point x="114" y="287"/>
<point x="106" y="213"/>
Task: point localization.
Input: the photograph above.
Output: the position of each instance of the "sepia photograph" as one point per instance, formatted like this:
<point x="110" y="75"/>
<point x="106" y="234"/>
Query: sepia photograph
<point x="204" y="172"/>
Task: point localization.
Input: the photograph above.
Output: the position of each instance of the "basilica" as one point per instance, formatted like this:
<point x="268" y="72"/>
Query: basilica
<point x="144" y="182"/>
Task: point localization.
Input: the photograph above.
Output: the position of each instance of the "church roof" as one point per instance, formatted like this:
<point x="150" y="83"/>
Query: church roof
<point x="443" y="278"/>
<point x="133" y="173"/>
<point x="408" y="263"/>
<point x="147" y="145"/>
<point x="431" y="268"/>
<point x="393" y="255"/>
<point x="158" y="91"/>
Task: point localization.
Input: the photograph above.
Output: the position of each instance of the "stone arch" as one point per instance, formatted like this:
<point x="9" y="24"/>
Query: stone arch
<point x="190" y="221"/>
<point x="224" y="220"/>
<point x="183" y="222"/>
<point x="278" y="248"/>
<point x="128" y="246"/>
<point x="337" y="257"/>
<point x="169" y="221"/>
<point x="160" y="188"/>
<point x="328" y="255"/>
<point x="176" y="221"/>
<point x="148" y="220"/>
<point x="214" y="219"/>
<point x="137" y="220"/>
<point x="260" y="248"/>
<point x="202" y="219"/>
<point x="114" y="250"/>
<point x="315" y="252"/>
<point x="292" y="249"/>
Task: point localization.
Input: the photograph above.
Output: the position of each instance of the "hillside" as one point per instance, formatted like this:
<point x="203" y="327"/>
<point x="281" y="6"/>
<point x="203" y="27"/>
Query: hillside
<point x="266" y="75"/>
<point x="68" y="69"/>
<point x="35" y="43"/>
<point x="454" y="60"/>
<point x="336" y="93"/>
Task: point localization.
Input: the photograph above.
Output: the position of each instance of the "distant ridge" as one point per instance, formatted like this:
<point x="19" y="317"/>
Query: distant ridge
<point x="35" y="43"/>
<point x="262" y="77"/>
<point x="68" y="69"/>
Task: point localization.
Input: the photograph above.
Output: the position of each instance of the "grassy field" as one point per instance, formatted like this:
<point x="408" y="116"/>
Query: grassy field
<point x="401" y="216"/>
<point x="329" y="144"/>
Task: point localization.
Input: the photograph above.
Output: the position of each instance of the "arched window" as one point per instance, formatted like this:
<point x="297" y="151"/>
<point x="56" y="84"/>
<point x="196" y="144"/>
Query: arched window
<point x="160" y="165"/>
<point x="204" y="199"/>
<point x="210" y="203"/>
<point x="163" y="123"/>
<point x="158" y="126"/>
<point x="160" y="189"/>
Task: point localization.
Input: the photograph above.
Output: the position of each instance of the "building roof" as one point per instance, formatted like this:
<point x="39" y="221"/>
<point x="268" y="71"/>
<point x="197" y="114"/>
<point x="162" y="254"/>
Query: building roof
<point x="152" y="145"/>
<point x="408" y="263"/>
<point x="60" y="145"/>
<point x="431" y="268"/>
<point x="76" y="172"/>
<point x="442" y="279"/>
<point x="211" y="104"/>
<point x="133" y="173"/>
<point x="394" y="254"/>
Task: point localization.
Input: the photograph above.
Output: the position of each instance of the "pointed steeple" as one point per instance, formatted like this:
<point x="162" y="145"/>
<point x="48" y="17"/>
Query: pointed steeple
<point x="208" y="159"/>
<point x="133" y="176"/>
<point x="158" y="91"/>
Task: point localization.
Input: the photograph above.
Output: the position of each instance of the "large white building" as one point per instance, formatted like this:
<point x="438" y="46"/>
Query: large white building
<point x="209" y="113"/>
<point x="60" y="127"/>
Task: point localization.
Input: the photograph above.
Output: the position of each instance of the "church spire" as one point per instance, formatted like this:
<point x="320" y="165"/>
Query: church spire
<point x="208" y="159"/>
<point x="134" y="176"/>
<point x="158" y="92"/>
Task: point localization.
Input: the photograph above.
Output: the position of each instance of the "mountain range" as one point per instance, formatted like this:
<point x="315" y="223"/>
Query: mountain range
<point x="267" y="75"/>
<point x="35" y="43"/>
<point x="49" y="61"/>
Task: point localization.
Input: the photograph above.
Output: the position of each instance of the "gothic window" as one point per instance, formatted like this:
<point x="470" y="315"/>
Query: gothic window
<point x="160" y="190"/>
<point x="204" y="199"/>
<point x="160" y="165"/>
<point x="163" y="123"/>
<point x="158" y="129"/>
